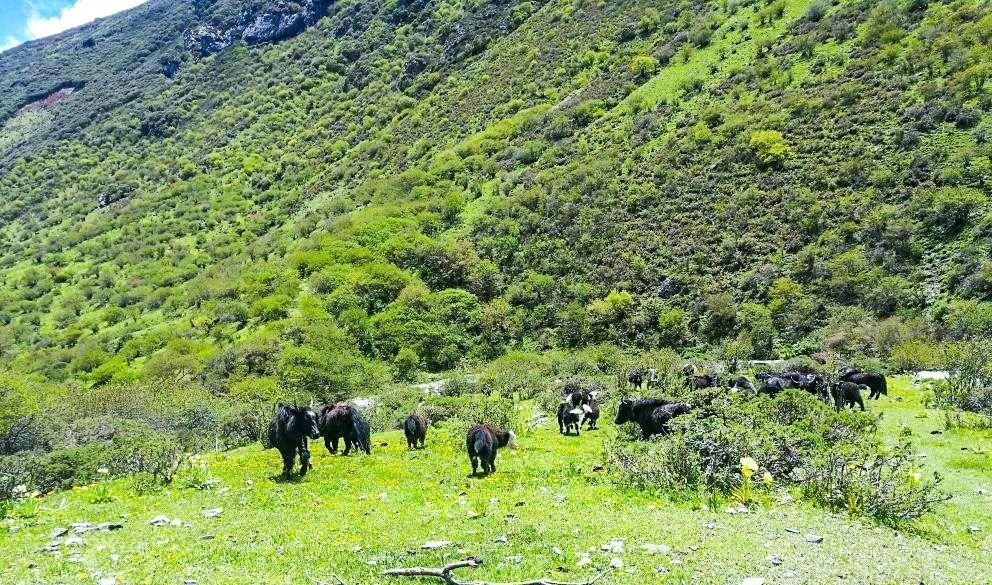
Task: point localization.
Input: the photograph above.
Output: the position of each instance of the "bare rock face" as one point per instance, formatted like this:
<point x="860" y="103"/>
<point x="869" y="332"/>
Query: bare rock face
<point x="205" y="40"/>
<point x="272" y="26"/>
<point x="279" y="21"/>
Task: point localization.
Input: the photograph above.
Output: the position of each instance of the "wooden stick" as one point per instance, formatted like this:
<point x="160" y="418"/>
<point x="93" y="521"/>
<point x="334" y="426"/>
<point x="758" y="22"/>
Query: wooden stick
<point x="444" y="573"/>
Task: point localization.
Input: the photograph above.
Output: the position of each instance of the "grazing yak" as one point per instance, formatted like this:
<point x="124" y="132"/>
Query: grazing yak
<point x="482" y="442"/>
<point x="289" y="430"/>
<point x="343" y="421"/>
<point x="741" y="384"/>
<point x="848" y="394"/>
<point x="415" y="429"/>
<point x="651" y="414"/>
<point x="874" y="380"/>
<point x="570" y="418"/>
<point x="700" y="382"/>
<point x="636" y="377"/>
<point x="591" y="408"/>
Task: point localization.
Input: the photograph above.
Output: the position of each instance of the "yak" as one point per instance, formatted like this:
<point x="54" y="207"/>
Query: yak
<point x="343" y="421"/>
<point x="873" y="380"/>
<point x="289" y="430"/>
<point x="415" y="429"/>
<point x="570" y="418"/>
<point x="847" y="394"/>
<point x="651" y="414"/>
<point x="482" y="442"/>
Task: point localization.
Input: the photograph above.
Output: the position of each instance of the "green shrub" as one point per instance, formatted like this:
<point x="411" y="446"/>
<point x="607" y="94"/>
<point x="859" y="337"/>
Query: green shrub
<point x="889" y="487"/>
<point x="643" y="65"/>
<point x="406" y="364"/>
<point x="769" y="147"/>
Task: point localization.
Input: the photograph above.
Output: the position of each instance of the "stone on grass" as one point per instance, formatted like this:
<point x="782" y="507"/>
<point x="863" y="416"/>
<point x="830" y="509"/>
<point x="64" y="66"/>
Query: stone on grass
<point x="159" y="520"/>
<point x="435" y="544"/>
<point x="774" y="559"/>
<point x="58" y="532"/>
<point x="814" y="538"/>
<point x="656" y="549"/>
<point x="213" y="512"/>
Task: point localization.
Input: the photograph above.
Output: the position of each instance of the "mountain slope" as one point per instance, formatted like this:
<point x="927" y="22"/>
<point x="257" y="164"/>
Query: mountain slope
<point x="448" y="180"/>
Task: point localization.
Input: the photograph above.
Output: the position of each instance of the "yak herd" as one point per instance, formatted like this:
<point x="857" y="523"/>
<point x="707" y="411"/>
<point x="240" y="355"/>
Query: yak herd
<point x="292" y="426"/>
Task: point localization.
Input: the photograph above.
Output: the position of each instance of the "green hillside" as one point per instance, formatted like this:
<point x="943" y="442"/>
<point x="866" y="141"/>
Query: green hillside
<point x="458" y="179"/>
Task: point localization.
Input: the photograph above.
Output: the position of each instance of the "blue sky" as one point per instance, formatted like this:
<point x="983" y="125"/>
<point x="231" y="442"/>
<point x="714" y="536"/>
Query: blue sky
<point x="24" y="20"/>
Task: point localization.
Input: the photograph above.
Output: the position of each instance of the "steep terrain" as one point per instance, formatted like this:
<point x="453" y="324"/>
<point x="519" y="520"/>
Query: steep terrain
<point x="313" y="195"/>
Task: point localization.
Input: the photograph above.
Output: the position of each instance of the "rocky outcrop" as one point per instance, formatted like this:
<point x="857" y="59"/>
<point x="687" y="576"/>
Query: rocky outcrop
<point x="279" y="21"/>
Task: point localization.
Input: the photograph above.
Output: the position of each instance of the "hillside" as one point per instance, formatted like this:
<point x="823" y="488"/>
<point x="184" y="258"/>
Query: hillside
<point x="454" y="180"/>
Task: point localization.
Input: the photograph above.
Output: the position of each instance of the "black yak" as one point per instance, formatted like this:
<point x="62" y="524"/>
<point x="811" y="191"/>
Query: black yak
<point x="570" y="417"/>
<point x="482" y="442"/>
<point x="415" y="429"/>
<point x="651" y="414"/>
<point x="741" y="384"/>
<point x="343" y="421"/>
<point x="289" y="430"/>
<point x="773" y="385"/>
<point x="700" y="382"/>
<point x="847" y="394"/>
<point x="591" y="408"/>
<point x="873" y="380"/>
<point x="636" y="377"/>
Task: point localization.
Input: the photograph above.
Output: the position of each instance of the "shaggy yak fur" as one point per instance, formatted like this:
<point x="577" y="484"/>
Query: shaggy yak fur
<point x="482" y="442"/>
<point x="415" y="429"/>
<point x="651" y="414"/>
<point x="591" y="408"/>
<point x="570" y="418"/>
<point x="741" y="384"/>
<point x="289" y="430"/>
<point x="636" y="378"/>
<point x="848" y="394"/>
<point x="343" y="421"/>
<point x="874" y="380"/>
<point x="703" y="381"/>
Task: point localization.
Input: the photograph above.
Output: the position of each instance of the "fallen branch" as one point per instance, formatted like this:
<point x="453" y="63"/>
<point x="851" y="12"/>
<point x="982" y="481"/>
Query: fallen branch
<point x="444" y="573"/>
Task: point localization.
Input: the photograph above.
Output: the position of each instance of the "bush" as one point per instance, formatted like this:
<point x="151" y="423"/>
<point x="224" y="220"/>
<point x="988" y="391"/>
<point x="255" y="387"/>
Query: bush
<point x="769" y="147"/>
<point x="783" y="435"/>
<point x="643" y="65"/>
<point x="969" y="386"/>
<point x="888" y="487"/>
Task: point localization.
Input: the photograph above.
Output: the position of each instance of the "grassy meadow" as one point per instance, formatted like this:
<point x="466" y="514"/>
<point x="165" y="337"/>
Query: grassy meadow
<point x="549" y="506"/>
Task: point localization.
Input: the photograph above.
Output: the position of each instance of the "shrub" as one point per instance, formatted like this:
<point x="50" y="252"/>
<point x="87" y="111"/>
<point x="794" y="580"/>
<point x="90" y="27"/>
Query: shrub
<point x="406" y="363"/>
<point x="886" y="486"/>
<point x="643" y="65"/>
<point x="785" y="436"/>
<point x="769" y="147"/>
<point x="969" y="386"/>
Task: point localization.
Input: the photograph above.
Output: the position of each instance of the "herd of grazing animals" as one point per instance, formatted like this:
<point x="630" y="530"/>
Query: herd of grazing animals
<point x="292" y="427"/>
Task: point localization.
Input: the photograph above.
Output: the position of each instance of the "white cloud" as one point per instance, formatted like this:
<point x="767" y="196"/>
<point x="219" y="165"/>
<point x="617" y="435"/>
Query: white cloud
<point x="76" y="14"/>
<point x="10" y="43"/>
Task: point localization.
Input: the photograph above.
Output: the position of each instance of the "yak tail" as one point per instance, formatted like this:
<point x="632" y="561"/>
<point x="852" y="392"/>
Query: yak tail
<point x="363" y="431"/>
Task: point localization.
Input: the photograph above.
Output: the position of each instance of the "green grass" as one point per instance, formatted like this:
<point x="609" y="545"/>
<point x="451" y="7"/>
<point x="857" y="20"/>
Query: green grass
<point x="357" y="516"/>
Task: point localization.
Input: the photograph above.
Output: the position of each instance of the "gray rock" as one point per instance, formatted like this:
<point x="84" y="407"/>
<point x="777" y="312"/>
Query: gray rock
<point x="58" y="532"/>
<point x="814" y="538"/>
